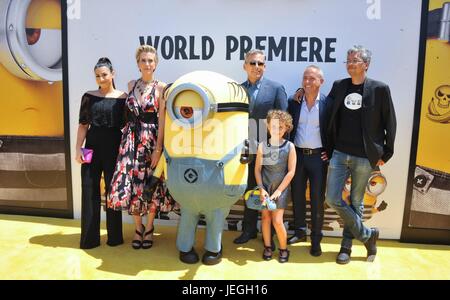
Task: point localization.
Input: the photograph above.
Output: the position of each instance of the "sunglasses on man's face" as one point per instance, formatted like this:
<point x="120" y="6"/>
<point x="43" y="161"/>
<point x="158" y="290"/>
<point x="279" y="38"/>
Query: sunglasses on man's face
<point x="257" y="63"/>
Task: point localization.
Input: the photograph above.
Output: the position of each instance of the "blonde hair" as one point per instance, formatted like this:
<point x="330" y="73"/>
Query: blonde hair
<point x="284" y="118"/>
<point x="146" y="49"/>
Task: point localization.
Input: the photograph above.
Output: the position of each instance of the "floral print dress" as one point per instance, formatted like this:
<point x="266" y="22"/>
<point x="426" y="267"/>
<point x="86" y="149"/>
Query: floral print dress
<point x="133" y="173"/>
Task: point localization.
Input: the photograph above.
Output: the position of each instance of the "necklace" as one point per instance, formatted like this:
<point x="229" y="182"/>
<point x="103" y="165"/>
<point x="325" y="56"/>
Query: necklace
<point x="143" y="87"/>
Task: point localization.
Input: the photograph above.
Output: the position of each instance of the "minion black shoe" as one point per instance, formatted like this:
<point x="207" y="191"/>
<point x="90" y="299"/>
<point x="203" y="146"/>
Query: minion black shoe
<point x="190" y="257"/>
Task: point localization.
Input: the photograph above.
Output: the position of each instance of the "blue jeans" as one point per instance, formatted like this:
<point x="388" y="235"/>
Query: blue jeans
<point x="341" y="166"/>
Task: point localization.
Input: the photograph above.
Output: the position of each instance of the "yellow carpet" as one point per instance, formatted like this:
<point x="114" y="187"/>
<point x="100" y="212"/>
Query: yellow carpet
<point x="47" y="248"/>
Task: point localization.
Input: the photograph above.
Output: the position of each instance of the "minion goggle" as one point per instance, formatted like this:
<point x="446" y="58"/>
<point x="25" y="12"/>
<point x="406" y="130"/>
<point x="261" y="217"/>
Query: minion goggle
<point x="194" y="115"/>
<point x="29" y="53"/>
<point x="375" y="185"/>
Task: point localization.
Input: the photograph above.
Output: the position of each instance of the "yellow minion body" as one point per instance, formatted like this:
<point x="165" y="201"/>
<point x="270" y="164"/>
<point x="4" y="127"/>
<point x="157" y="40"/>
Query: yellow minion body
<point x="206" y="128"/>
<point x="195" y="126"/>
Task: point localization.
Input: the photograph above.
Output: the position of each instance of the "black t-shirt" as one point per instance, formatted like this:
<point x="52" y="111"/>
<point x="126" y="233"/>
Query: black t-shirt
<point x="349" y="134"/>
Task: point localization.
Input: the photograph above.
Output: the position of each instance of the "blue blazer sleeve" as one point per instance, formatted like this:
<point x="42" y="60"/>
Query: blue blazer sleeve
<point x="281" y="101"/>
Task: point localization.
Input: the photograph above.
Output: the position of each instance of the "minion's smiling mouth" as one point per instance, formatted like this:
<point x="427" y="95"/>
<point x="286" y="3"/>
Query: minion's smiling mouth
<point x="29" y="109"/>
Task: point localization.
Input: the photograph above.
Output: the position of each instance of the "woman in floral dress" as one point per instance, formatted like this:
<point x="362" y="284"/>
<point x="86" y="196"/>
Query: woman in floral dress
<point x="140" y="150"/>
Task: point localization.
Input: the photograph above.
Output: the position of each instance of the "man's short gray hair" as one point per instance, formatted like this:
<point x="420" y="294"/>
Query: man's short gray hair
<point x="319" y="70"/>
<point x="254" y="51"/>
<point x="365" y="54"/>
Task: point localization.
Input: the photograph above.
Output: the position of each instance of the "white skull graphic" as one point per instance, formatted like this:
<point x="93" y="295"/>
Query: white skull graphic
<point x="442" y="94"/>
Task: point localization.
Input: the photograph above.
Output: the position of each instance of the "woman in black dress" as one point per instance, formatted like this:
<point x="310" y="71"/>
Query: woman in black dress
<point x="102" y="114"/>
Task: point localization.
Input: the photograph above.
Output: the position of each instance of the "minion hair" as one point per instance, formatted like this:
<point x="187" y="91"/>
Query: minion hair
<point x="284" y="117"/>
<point x="237" y="92"/>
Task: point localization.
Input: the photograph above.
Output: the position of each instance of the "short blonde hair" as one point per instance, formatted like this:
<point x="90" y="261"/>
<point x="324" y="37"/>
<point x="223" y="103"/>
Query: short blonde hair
<point x="284" y="117"/>
<point x="146" y="49"/>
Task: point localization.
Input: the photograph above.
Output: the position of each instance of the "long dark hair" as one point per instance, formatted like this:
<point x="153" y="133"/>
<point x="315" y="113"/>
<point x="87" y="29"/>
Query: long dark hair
<point x="105" y="62"/>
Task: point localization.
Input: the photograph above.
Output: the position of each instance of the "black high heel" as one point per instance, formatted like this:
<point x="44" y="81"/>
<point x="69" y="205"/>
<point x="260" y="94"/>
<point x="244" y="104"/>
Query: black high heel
<point x="147" y="244"/>
<point x="284" y="255"/>
<point x="137" y="244"/>
<point x="267" y="254"/>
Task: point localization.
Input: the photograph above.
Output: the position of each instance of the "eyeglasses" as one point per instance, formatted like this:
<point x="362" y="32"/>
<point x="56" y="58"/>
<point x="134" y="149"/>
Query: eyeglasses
<point x="257" y="63"/>
<point x="353" y="61"/>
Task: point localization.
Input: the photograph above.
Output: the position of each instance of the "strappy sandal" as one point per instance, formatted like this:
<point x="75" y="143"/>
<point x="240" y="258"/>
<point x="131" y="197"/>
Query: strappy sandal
<point x="284" y="255"/>
<point x="137" y="244"/>
<point x="267" y="254"/>
<point x="147" y="244"/>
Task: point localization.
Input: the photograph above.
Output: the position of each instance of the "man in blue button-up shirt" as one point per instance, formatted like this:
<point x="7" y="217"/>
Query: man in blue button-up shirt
<point x="310" y="115"/>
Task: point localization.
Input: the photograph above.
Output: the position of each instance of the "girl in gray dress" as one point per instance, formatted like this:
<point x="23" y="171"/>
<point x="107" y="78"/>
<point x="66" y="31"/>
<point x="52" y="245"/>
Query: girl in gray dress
<point x="274" y="170"/>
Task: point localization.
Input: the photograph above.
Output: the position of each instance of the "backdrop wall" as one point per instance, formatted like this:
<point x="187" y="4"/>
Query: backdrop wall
<point x="213" y="35"/>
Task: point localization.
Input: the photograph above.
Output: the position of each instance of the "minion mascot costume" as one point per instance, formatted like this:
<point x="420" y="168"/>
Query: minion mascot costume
<point x="206" y="156"/>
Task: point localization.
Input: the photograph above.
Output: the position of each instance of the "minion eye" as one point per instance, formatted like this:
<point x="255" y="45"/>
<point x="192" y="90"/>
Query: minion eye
<point x="30" y="39"/>
<point x="187" y="105"/>
<point x="33" y="35"/>
<point x="186" y="112"/>
<point x="44" y="46"/>
<point x="376" y="185"/>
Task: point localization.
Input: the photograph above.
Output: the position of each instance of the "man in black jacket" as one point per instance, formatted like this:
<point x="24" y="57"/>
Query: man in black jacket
<point x="361" y="136"/>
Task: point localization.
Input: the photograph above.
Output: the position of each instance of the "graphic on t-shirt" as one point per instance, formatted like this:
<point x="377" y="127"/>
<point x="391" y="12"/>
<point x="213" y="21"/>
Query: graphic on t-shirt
<point x="353" y="101"/>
